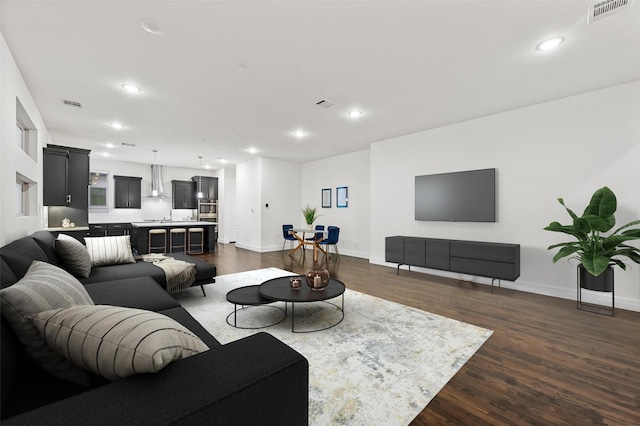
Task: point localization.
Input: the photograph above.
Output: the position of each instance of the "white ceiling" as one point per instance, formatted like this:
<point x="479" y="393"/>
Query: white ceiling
<point x="230" y="75"/>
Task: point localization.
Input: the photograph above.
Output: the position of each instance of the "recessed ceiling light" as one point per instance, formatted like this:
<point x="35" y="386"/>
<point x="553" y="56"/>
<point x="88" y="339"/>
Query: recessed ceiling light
<point x="109" y="145"/>
<point x="354" y="113"/>
<point x="105" y="154"/>
<point x="550" y="43"/>
<point x="117" y="125"/>
<point x="132" y="88"/>
<point x="151" y="27"/>
<point x="252" y="150"/>
<point x="299" y="133"/>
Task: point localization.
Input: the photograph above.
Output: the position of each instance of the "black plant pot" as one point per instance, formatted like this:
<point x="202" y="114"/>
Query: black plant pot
<point x="603" y="282"/>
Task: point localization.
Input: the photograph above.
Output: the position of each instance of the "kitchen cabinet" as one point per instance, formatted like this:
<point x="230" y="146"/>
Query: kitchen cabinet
<point x="127" y="192"/>
<point x="66" y="177"/>
<point x="109" y="229"/>
<point x="184" y="194"/>
<point x="208" y="186"/>
<point x="117" y="229"/>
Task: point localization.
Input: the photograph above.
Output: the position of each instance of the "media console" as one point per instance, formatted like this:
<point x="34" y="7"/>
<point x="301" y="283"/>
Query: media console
<point x="497" y="261"/>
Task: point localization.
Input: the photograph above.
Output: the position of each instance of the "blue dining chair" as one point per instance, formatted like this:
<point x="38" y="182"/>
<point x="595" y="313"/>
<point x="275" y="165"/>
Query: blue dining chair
<point x="332" y="239"/>
<point x="317" y="235"/>
<point x="286" y="235"/>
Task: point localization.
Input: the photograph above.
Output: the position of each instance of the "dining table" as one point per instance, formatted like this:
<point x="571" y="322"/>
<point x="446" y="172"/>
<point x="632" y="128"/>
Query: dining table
<point x="300" y="235"/>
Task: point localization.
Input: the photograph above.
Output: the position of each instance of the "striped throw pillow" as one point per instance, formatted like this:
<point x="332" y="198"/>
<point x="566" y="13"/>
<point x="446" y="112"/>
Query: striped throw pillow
<point x="74" y="255"/>
<point x="116" y="342"/>
<point x="44" y="287"/>
<point x="105" y="251"/>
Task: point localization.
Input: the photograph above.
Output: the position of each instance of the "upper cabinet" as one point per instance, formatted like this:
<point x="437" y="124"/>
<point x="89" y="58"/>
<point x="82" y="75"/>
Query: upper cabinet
<point x="184" y="194"/>
<point x="128" y="192"/>
<point x="65" y="177"/>
<point x="208" y="186"/>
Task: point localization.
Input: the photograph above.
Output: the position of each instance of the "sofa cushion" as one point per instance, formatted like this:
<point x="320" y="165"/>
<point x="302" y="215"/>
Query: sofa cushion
<point x="116" y="342"/>
<point x="7" y="277"/>
<point x="47" y="242"/>
<point x="44" y="287"/>
<point x="105" y="251"/>
<point x="139" y="292"/>
<point x="20" y="254"/>
<point x="205" y="272"/>
<point x="74" y="255"/>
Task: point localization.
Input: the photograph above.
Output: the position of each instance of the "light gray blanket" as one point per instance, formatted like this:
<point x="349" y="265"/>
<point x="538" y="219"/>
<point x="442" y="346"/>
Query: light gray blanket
<point x="179" y="274"/>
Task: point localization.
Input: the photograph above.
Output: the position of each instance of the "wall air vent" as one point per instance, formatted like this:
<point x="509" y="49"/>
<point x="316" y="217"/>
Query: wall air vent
<point x="325" y="104"/>
<point x="72" y="103"/>
<point x="606" y="8"/>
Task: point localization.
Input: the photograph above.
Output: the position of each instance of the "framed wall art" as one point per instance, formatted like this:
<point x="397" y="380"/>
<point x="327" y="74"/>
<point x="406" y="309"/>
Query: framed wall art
<point x="326" y="198"/>
<point x="342" y="196"/>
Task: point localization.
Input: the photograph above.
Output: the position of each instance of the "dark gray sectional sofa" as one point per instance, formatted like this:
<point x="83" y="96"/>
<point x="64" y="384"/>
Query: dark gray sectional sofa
<point x="255" y="380"/>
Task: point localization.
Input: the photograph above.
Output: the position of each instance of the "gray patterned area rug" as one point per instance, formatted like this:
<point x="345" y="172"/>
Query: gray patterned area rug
<point x="380" y="366"/>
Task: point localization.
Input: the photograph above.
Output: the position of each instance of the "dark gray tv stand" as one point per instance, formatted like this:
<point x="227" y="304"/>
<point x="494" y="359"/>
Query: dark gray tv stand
<point x="497" y="261"/>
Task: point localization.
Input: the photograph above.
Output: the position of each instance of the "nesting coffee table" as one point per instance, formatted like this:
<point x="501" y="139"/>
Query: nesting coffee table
<point x="246" y="297"/>
<point x="279" y="290"/>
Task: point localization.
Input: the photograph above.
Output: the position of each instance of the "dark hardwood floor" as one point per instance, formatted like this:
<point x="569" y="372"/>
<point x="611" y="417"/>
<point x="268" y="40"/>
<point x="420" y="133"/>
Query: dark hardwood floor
<point x="545" y="364"/>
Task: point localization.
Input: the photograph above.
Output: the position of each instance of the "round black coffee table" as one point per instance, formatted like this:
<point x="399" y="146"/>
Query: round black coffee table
<point x="278" y="289"/>
<point x="247" y="297"/>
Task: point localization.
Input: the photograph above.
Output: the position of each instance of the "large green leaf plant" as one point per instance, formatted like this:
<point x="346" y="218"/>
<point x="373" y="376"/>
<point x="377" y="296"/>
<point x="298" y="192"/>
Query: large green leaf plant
<point x="594" y="250"/>
<point x="310" y="214"/>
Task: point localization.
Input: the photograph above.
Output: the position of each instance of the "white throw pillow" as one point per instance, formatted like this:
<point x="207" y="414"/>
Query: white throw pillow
<point x="105" y="251"/>
<point x="116" y="342"/>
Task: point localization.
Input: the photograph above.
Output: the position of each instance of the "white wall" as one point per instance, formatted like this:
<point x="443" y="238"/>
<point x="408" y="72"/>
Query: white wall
<point x="281" y="191"/>
<point x="566" y="148"/>
<point x="12" y="158"/>
<point x="227" y="221"/>
<point x="350" y="170"/>
<point x="260" y="182"/>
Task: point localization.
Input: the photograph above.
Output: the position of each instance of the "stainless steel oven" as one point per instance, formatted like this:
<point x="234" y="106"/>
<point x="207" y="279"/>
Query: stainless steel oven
<point x="207" y="210"/>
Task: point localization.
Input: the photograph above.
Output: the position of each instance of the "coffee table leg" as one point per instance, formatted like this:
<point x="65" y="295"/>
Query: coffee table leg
<point x="293" y="316"/>
<point x="235" y="315"/>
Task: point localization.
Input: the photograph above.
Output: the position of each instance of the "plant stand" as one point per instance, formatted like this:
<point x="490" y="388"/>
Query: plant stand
<point x="592" y="307"/>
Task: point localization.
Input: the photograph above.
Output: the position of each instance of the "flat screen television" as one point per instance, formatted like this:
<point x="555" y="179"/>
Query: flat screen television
<point x="468" y="196"/>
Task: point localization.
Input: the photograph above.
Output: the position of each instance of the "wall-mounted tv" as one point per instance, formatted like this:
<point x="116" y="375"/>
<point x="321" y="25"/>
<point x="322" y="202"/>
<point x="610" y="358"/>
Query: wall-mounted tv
<point x="468" y="196"/>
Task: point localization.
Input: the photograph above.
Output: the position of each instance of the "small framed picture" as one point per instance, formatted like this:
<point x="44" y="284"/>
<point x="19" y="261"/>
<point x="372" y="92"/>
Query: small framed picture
<point x="326" y="198"/>
<point x="342" y="196"/>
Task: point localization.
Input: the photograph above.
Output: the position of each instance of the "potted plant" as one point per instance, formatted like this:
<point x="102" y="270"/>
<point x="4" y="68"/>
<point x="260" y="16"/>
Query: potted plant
<point x="310" y="215"/>
<point x="595" y="251"/>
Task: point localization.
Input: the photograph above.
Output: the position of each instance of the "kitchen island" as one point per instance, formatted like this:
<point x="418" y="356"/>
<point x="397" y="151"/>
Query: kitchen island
<point x="140" y="233"/>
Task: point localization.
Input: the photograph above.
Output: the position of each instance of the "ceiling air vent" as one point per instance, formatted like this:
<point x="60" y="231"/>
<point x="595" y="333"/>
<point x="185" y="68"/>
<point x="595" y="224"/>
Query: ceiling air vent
<point x="325" y="104"/>
<point x="72" y="103"/>
<point x="128" y="144"/>
<point x="606" y="8"/>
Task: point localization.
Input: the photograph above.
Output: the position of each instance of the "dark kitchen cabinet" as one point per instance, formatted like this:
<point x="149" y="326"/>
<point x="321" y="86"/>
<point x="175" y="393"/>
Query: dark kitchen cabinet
<point x="128" y="192"/>
<point x="66" y="177"/>
<point x="184" y="194"/>
<point x="208" y="186"/>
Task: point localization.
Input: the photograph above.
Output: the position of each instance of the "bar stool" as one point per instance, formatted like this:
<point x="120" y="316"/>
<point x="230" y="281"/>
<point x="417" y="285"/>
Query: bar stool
<point x="155" y="235"/>
<point x="179" y="234"/>
<point x="196" y="247"/>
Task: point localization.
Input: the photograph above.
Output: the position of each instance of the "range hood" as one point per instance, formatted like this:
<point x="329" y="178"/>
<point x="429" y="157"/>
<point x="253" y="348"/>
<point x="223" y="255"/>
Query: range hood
<point x="157" y="187"/>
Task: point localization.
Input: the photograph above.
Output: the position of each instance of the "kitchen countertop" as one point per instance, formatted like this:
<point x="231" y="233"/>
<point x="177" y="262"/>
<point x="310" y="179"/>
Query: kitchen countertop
<point x="174" y="224"/>
<point x="60" y="228"/>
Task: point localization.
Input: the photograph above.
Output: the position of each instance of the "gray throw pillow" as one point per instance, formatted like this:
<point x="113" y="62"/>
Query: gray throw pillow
<point x="116" y="342"/>
<point x="105" y="251"/>
<point x="74" y="255"/>
<point x="44" y="287"/>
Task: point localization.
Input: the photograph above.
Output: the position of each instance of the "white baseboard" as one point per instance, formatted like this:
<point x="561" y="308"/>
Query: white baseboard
<point x="588" y="296"/>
